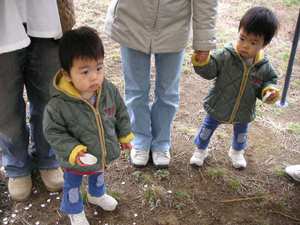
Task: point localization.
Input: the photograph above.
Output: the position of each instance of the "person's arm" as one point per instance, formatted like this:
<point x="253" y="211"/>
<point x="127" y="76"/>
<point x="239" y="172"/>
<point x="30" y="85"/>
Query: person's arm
<point x="204" y="22"/>
<point x="270" y="86"/>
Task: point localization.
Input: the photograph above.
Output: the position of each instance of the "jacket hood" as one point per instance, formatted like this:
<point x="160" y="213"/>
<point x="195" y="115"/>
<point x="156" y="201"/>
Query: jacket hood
<point x="64" y="89"/>
<point x="260" y="57"/>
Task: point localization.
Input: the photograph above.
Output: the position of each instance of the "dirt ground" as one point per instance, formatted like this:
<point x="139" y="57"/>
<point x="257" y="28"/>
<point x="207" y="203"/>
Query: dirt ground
<point x="215" y="193"/>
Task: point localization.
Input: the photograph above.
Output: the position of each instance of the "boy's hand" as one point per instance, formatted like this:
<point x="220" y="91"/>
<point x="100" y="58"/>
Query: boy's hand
<point x="272" y="96"/>
<point x="125" y="146"/>
<point x="201" y="56"/>
<point x="78" y="161"/>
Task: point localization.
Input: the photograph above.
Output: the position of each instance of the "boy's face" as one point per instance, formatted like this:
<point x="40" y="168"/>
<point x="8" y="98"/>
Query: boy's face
<point x="248" y="45"/>
<point x="86" y="75"/>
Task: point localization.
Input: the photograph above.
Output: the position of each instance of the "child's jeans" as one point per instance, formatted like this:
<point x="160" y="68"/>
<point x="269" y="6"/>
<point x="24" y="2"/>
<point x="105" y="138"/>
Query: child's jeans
<point x="72" y="201"/>
<point x="239" y="139"/>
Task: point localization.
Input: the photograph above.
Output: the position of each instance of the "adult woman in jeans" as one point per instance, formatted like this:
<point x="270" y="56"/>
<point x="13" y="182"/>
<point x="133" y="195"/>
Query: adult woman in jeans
<point x="162" y="28"/>
<point x="30" y="32"/>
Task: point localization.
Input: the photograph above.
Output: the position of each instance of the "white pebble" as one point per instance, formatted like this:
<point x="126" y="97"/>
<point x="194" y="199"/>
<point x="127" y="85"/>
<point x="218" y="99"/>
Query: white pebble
<point x="145" y="185"/>
<point x="16" y="211"/>
<point x="135" y="215"/>
<point x="95" y="213"/>
<point x="38" y="222"/>
<point x="170" y="192"/>
<point x="5" y="222"/>
<point x="57" y="197"/>
<point x="26" y="208"/>
<point x="35" y="191"/>
<point x="123" y="182"/>
<point x="5" y="219"/>
<point x="13" y="215"/>
<point x="42" y="205"/>
<point x="48" y="200"/>
<point x="30" y="205"/>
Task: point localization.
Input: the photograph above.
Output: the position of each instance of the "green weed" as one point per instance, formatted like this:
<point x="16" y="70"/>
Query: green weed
<point x="140" y="177"/>
<point x="181" y="194"/>
<point x="84" y="195"/>
<point x="280" y="172"/>
<point x="259" y="112"/>
<point x="216" y="173"/>
<point x="113" y="56"/>
<point x="276" y="112"/>
<point x="116" y="194"/>
<point x="294" y="127"/>
<point x="162" y="174"/>
<point x="234" y="183"/>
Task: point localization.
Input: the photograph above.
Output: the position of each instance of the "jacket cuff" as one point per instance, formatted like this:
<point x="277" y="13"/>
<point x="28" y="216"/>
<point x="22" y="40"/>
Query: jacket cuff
<point x="75" y="151"/>
<point x="271" y="89"/>
<point x="196" y="63"/>
<point x="126" y="139"/>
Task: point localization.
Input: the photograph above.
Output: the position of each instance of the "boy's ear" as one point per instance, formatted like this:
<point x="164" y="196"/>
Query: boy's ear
<point x="66" y="75"/>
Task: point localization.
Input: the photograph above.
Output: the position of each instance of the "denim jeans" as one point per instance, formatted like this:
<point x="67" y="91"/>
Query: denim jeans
<point x="72" y="201"/>
<point x="32" y="67"/>
<point x="151" y="125"/>
<point x="239" y="139"/>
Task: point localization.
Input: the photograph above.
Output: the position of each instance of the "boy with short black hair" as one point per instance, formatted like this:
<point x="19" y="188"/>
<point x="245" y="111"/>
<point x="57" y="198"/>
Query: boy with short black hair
<point x="241" y="73"/>
<point x="86" y="114"/>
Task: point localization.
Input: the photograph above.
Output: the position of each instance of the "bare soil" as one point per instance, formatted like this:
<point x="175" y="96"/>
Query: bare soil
<point x="215" y="193"/>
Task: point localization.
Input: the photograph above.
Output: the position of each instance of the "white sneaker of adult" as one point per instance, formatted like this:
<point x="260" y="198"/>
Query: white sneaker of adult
<point x="161" y="160"/>
<point x="106" y="202"/>
<point x="78" y="219"/>
<point x="238" y="160"/>
<point x="294" y="172"/>
<point x="139" y="157"/>
<point x="198" y="157"/>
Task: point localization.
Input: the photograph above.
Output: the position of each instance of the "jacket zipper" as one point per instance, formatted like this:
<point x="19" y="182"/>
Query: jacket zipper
<point x="242" y="90"/>
<point x="154" y="26"/>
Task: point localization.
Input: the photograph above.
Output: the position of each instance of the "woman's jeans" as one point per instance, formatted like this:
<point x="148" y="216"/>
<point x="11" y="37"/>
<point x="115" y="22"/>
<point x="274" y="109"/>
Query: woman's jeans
<point x="32" y="67"/>
<point x="239" y="139"/>
<point x="72" y="201"/>
<point x="151" y="125"/>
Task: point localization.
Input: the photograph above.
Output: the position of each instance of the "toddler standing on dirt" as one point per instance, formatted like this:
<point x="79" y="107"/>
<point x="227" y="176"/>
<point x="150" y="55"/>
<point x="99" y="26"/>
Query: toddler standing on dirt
<point x="242" y="73"/>
<point x="86" y="114"/>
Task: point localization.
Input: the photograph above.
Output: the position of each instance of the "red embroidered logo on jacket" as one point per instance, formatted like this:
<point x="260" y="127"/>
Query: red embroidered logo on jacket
<point x="256" y="81"/>
<point x="110" y="112"/>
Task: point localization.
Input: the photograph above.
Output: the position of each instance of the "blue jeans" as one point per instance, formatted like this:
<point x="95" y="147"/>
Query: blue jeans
<point x="239" y="139"/>
<point x="72" y="201"/>
<point x="151" y="125"/>
<point x="32" y="67"/>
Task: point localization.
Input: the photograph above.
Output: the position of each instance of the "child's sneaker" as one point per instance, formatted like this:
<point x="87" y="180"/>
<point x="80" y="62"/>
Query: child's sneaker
<point x="106" y="202"/>
<point x="293" y="172"/>
<point x="198" y="157"/>
<point x="78" y="219"/>
<point x="238" y="160"/>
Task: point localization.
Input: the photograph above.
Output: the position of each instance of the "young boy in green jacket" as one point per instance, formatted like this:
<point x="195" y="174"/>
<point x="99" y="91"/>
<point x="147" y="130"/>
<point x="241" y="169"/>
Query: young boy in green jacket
<point x="86" y="114"/>
<point x="242" y="73"/>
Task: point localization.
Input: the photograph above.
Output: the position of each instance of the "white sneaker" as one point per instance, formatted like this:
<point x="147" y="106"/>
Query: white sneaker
<point x="139" y="157"/>
<point x="106" y="202"/>
<point x="294" y="172"/>
<point x="198" y="157"/>
<point x="78" y="219"/>
<point x="161" y="160"/>
<point x="238" y="160"/>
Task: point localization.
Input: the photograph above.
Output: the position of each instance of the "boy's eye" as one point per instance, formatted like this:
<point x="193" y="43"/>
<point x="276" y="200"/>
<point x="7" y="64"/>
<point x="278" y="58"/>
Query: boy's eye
<point x="253" y="43"/>
<point x="85" y="72"/>
<point x="242" y="39"/>
<point x="99" y="69"/>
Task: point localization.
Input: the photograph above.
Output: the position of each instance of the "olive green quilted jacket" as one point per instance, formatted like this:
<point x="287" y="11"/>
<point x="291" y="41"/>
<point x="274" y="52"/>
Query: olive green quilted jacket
<point x="71" y="124"/>
<point x="235" y="88"/>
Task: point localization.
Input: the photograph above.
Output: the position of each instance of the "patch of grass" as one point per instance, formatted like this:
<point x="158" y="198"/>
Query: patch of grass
<point x="259" y="192"/>
<point x="294" y="127"/>
<point x="280" y="172"/>
<point x="276" y="112"/>
<point x="188" y="131"/>
<point x="84" y="195"/>
<point x="280" y="206"/>
<point x="117" y="194"/>
<point x="113" y="56"/>
<point x="285" y="56"/>
<point x="162" y="174"/>
<point x="153" y="195"/>
<point x="216" y="173"/>
<point x="259" y="112"/>
<point x="126" y="154"/>
<point x="222" y="136"/>
<point x="234" y="183"/>
<point x="186" y="69"/>
<point x="140" y="177"/>
<point x="181" y="194"/>
<point x="291" y="3"/>
<point x="295" y="83"/>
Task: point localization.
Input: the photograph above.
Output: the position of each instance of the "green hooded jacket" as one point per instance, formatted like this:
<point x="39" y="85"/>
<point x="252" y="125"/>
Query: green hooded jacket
<point x="235" y="88"/>
<point x="72" y="124"/>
